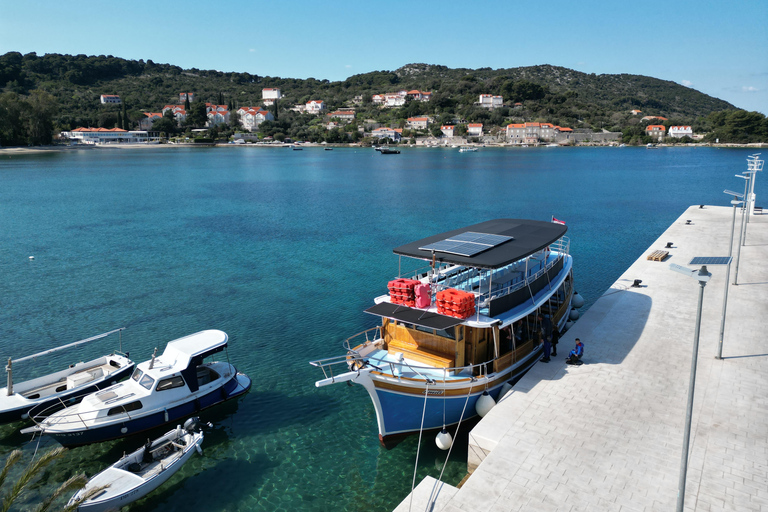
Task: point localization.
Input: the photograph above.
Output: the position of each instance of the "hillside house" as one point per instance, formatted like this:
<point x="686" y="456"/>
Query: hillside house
<point x="392" y="133"/>
<point x="217" y="117"/>
<point x="635" y="112"/>
<point x="419" y="95"/>
<point x="516" y="133"/>
<point x="475" y="129"/>
<point x="252" y="117"/>
<point x="110" y="98"/>
<point x="651" y="118"/>
<point x="343" y="115"/>
<point x="269" y="95"/>
<point x="680" y="131"/>
<point x="490" y="101"/>
<point x="447" y="130"/>
<point x="149" y="118"/>
<point x="418" y="123"/>
<point x="314" y="106"/>
<point x="656" y="131"/>
<point x="184" y="96"/>
<point x="179" y="113"/>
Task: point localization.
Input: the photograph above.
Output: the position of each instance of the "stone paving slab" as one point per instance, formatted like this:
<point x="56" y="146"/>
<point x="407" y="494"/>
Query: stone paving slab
<point x="608" y="435"/>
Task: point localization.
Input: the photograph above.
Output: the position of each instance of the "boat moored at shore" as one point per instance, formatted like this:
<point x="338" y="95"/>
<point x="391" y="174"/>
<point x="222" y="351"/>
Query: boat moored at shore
<point x="65" y="387"/>
<point x="455" y="330"/>
<point x="163" y="390"/>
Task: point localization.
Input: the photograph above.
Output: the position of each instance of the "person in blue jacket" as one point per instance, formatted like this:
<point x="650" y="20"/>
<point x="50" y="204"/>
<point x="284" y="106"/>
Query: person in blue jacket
<point x="574" y="357"/>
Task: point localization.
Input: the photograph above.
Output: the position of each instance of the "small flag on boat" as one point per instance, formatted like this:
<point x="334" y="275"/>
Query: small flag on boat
<point x="556" y="221"/>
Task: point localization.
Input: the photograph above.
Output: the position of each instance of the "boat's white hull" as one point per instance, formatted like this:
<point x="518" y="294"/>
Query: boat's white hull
<point x="114" y="499"/>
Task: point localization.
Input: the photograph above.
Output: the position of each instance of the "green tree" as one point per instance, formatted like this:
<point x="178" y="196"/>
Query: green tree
<point x="39" y="120"/>
<point x="12" y="113"/>
<point x="126" y="125"/>
<point x="186" y="102"/>
<point x="197" y="115"/>
<point x="119" y="122"/>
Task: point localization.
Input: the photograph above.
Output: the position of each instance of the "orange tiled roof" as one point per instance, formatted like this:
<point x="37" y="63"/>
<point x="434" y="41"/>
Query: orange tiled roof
<point x="418" y="119"/>
<point x="657" y="127"/>
<point x="475" y="125"/>
<point x="513" y="125"/>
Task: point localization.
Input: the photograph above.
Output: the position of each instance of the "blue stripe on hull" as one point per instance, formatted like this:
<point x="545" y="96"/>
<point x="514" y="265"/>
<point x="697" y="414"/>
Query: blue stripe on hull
<point x="114" y="431"/>
<point x="402" y="413"/>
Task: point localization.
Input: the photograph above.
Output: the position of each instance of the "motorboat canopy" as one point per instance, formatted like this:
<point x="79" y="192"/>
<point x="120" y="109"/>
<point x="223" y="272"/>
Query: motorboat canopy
<point x="514" y="240"/>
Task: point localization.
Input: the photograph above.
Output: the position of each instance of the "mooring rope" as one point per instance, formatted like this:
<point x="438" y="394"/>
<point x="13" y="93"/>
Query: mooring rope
<point x="418" y="447"/>
<point x="432" y="495"/>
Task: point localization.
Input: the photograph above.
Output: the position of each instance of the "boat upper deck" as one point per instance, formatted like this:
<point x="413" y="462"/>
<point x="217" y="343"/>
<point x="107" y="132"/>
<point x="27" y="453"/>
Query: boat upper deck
<point x="510" y="240"/>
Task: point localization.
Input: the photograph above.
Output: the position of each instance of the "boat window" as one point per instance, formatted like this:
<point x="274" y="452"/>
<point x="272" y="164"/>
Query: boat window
<point x="137" y="374"/>
<point x="147" y="381"/>
<point x="133" y="406"/>
<point x="449" y="333"/>
<point x="170" y="383"/>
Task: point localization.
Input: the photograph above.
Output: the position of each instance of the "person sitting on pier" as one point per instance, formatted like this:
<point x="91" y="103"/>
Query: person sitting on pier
<point x="574" y="357"/>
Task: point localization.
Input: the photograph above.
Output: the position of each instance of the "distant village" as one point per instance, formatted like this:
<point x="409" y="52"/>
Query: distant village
<point x="251" y="117"/>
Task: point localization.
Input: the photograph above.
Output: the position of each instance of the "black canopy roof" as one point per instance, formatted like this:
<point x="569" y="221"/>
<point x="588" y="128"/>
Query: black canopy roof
<point x="529" y="236"/>
<point x="420" y="317"/>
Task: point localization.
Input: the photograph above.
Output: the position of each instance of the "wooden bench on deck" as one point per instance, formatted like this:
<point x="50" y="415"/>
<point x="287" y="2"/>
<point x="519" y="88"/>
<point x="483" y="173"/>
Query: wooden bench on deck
<point x="421" y="355"/>
<point x="658" y="255"/>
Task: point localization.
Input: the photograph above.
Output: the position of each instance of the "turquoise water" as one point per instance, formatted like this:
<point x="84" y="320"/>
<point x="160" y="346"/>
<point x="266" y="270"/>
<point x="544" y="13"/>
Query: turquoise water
<point x="283" y="250"/>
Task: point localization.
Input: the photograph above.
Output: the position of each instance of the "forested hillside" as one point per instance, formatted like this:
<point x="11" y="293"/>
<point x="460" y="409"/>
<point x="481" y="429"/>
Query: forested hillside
<point x="54" y="91"/>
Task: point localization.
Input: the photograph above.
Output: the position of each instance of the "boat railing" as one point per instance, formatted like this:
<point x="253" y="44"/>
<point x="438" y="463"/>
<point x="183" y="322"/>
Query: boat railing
<point x="68" y="418"/>
<point x="352" y="358"/>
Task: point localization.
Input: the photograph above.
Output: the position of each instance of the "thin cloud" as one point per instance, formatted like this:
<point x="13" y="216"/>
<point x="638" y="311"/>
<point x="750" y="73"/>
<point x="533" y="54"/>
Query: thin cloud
<point x="252" y="50"/>
<point x="686" y="83"/>
<point x="749" y="88"/>
<point x="348" y="66"/>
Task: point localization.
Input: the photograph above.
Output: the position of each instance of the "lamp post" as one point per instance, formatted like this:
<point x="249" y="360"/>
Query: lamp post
<point x="734" y="202"/>
<point x="741" y="229"/>
<point x="702" y="276"/>
<point x="753" y="166"/>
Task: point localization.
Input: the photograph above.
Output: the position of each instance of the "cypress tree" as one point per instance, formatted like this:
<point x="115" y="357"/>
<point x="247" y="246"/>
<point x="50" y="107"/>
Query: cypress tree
<point x="186" y="102"/>
<point x="119" y="123"/>
<point x="126" y="124"/>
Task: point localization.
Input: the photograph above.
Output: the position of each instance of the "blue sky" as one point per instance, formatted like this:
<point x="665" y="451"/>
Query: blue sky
<point x="719" y="48"/>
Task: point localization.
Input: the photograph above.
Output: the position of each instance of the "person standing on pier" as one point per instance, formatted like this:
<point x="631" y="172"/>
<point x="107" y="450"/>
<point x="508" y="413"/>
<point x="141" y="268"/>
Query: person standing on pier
<point x="547" y="346"/>
<point x="555" y="340"/>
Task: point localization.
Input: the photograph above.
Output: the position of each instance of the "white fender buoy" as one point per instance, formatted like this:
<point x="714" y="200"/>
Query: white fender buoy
<point x="484" y="404"/>
<point x="568" y="325"/>
<point x="574" y="315"/>
<point x="24" y="416"/>
<point x="504" y="390"/>
<point x="123" y="430"/>
<point x="199" y="450"/>
<point x="31" y="257"/>
<point x="577" y="301"/>
<point x="165" y="415"/>
<point x="444" y="440"/>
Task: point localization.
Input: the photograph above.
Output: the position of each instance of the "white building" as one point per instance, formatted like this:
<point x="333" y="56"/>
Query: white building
<point x="269" y="95"/>
<point x="447" y="130"/>
<point x="314" y="106"/>
<point x="105" y="136"/>
<point x="384" y="132"/>
<point x="178" y="113"/>
<point x="149" y="118"/>
<point x="110" y="98"/>
<point x="184" y="96"/>
<point x="490" y="101"/>
<point x="680" y="131"/>
<point x="343" y="115"/>
<point x="252" y="117"/>
<point x="216" y="117"/>
<point x="475" y="129"/>
<point x="418" y="123"/>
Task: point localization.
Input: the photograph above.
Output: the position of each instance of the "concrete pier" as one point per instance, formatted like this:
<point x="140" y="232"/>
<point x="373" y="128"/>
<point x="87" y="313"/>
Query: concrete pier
<point x="608" y="435"/>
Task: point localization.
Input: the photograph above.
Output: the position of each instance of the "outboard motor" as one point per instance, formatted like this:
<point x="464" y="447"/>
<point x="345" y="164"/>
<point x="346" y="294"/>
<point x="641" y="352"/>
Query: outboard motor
<point x="192" y="424"/>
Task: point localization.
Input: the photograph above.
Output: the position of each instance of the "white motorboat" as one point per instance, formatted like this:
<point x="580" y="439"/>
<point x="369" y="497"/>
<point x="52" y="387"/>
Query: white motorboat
<point x="163" y="390"/>
<point x="65" y="387"/>
<point x="467" y="149"/>
<point x="141" y="472"/>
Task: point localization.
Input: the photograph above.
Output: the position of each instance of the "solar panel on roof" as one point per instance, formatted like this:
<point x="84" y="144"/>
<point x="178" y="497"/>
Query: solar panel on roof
<point x="710" y="260"/>
<point x="467" y="244"/>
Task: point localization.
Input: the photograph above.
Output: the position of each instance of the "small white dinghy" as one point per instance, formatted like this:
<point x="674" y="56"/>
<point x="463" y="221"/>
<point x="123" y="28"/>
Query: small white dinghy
<point x="141" y="472"/>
